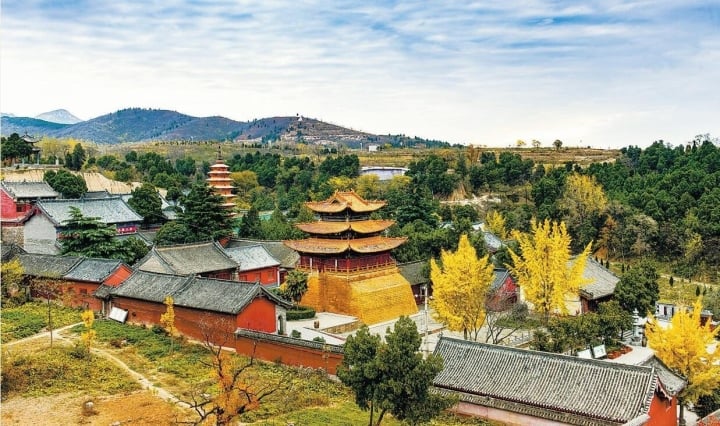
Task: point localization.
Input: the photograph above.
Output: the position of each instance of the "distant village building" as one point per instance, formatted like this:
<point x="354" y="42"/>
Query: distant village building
<point x="523" y="387"/>
<point x="219" y="180"/>
<point x="348" y="261"/>
<point x="42" y="230"/>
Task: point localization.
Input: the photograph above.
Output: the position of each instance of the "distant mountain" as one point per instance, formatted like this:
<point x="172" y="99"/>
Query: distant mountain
<point x="61" y="116"/>
<point x="141" y="125"/>
<point x="31" y="126"/>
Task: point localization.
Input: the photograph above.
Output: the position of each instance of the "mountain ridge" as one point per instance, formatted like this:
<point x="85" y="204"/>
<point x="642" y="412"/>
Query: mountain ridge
<point x="143" y="125"/>
<point x="61" y="116"/>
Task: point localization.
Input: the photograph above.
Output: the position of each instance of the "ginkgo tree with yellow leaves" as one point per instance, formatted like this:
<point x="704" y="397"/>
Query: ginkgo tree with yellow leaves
<point x="460" y="288"/>
<point x="684" y="346"/>
<point x="543" y="267"/>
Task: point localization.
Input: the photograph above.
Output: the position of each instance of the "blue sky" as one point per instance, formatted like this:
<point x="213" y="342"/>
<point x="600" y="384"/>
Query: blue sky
<point x="604" y="73"/>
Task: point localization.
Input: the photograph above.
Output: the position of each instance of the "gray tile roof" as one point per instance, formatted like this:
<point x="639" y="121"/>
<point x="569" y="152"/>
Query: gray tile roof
<point x="186" y="259"/>
<point x="151" y="286"/>
<point x="29" y="190"/>
<point x="47" y="265"/>
<point x="9" y="251"/>
<point x="109" y="210"/>
<point x="671" y="382"/>
<point x="499" y="277"/>
<point x="492" y="242"/>
<point x="413" y="272"/>
<point x="602" y="280"/>
<point x="103" y="291"/>
<point x="252" y="257"/>
<point x="191" y="292"/>
<point x="540" y="384"/>
<point x="93" y="270"/>
<point x="229" y="297"/>
<point x="287" y="257"/>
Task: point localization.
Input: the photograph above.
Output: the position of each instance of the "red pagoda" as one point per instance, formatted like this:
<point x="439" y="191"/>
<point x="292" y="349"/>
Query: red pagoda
<point x="219" y="180"/>
<point x="350" y="269"/>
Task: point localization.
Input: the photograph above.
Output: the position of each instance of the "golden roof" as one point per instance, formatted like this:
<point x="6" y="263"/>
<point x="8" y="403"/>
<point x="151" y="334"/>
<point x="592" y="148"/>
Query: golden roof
<point x="360" y="226"/>
<point x="342" y="200"/>
<point x="359" y="245"/>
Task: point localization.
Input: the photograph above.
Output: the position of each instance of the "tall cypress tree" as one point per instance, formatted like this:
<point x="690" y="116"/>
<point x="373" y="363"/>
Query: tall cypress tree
<point x="204" y="214"/>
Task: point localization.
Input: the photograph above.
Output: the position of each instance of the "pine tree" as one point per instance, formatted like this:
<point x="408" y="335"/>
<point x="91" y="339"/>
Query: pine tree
<point x="204" y="215"/>
<point x="250" y="226"/>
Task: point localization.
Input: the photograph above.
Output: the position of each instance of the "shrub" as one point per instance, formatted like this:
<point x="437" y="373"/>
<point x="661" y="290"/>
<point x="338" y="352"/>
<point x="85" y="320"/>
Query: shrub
<point x="299" y="313"/>
<point x="295" y="334"/>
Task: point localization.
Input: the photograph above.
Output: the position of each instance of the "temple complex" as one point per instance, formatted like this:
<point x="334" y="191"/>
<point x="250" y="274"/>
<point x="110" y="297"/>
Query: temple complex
<point x="350" y="270"/>
<point x="219" y="180"/>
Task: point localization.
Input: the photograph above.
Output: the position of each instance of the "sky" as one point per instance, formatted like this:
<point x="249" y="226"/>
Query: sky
<point x="598" y="73"/>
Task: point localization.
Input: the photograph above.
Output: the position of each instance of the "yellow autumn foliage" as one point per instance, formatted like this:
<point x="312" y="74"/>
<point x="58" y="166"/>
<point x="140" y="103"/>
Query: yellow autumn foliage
<point x="167" y="320"/>
<point x="583" y="196"/>
<point x="89" y="335"/>
<point x="684" y="348"/>
<point x="460" y="288"/>
<point x="544" y="270"/>
<point x="495" y="222"/>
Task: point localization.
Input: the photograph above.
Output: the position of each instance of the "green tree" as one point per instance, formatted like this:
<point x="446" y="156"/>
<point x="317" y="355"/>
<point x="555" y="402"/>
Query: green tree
<point x="638" y="288"/>
<point x="173" y="232"/>
<point x="76" y="159"/>
<point x="88" y="236"/>
<point x="66" y="183"/>
<point x="295" y="285"/>
<point x="250" y="226"/>
<point x="146" y="201"/>
<point x="392" y="377"/>
<point x="204" y="215"/>
<point x="14" y="147"/>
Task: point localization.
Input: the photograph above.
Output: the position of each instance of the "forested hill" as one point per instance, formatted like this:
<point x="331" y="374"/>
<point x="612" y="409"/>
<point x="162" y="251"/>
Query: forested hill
<point x="140" y="125"/>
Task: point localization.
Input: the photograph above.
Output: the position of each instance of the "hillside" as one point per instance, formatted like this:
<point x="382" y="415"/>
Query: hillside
<point x="31" y="126"/>
<point x="145" y="125"/>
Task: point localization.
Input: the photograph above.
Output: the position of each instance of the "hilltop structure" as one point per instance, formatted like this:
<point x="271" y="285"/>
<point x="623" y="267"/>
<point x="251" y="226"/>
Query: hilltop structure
<point x="350" y="269"/>
<point x="219" y="180"/>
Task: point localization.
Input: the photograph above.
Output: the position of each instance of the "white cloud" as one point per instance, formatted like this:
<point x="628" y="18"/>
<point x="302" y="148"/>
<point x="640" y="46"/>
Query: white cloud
<point x="604" y="72"/>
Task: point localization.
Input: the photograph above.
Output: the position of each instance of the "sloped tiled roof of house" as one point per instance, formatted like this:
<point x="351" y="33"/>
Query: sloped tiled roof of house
<point x="602" y="281"/>
<point x="492" y="242"/>
<point x="29" y="190"/>
<point x="499" y="277"/>
<point x="551" y="386"/>
<point x="191" y="292"/>
<point x="47" y="265"/>
<point x="150" y="286"/>
<point x="671" y="382"/>
<point x="287" y="257"/>
<point x="9" y="251"/>
<point x="111" y="210"/>
<point x="252" y="257"/>
<point x="93" y="270"/>
<point x="413" y="272"/>
<point x="186" y="259"/>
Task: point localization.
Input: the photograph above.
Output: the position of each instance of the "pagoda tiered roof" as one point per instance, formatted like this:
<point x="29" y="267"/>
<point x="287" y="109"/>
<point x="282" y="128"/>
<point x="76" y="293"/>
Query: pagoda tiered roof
<point x="359" y="245"/>
<point x="342" y="200"/>
<point x="360" y="226"/>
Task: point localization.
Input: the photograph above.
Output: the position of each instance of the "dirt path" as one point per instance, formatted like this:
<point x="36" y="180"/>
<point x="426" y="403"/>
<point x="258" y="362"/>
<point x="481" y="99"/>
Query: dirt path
<point x="145" y="383"/>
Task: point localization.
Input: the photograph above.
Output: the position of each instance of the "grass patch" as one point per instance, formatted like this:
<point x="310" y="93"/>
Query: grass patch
<point x="31" y="318"/>
<point x="54" y="371"/>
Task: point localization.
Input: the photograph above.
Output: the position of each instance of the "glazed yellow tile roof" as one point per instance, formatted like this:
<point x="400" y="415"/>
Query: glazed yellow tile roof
<point x="359" y="245"/>
<point x="342" y="200"/>
<point x="361" y="226"/>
